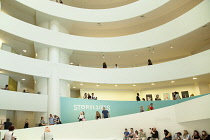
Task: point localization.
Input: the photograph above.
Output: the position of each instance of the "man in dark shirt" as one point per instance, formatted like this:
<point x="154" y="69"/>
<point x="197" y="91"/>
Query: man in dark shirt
<point x="104" y="65"/>
<point x="6" y="124"/>
<point x="155" y="135"/>
<point x="157" y="98"/>
<point x="137" y="97"/>
<point x="105" y="113"/>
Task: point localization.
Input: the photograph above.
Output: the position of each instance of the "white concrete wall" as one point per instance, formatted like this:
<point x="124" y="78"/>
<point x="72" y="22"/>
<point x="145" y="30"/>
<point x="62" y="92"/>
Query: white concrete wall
<point x="197" y="17"/>
<point x="64" y="88"/>
<point x="164" y="118"/>
<point x="10" y="100"/>
<point x="6" y="48"/>
<point x="195" y="110"/>
<point x="40" y="85"/>
<point x="160" y="72"/>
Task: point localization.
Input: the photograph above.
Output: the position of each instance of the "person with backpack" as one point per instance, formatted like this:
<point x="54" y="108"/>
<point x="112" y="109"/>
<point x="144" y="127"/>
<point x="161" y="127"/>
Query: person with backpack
<point x="10" y="135"/>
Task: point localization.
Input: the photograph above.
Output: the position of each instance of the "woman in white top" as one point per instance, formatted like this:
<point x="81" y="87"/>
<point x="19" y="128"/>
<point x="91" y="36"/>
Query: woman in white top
<point x="47" y="134"/>
<point x="186" y="135"/>
<point x="81" y="116"/>
<point x="10" y="135"/>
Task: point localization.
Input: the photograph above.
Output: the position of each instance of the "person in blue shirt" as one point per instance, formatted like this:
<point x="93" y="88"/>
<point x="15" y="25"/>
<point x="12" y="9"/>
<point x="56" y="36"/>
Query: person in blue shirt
<point x="51" y="120"/>
<point x="126" y="134"/>
<point x="105" y="113"/>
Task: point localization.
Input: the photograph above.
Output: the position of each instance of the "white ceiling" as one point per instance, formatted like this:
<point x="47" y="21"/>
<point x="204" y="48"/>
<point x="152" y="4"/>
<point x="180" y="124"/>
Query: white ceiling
<point x="28" y="83"/>
<point x="18" y="44"/>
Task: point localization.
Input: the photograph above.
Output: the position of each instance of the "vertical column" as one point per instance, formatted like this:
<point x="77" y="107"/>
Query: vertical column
<point x="40" y="85"/>
<point x="65" y="88"/>
<point x="53" y="81"/>
<point x="54" y="53"/>
<point x="64" y="57"/>
<point x="53" y="93"/>
<point x="41" y="51"/>
<point x="18" y="86"/>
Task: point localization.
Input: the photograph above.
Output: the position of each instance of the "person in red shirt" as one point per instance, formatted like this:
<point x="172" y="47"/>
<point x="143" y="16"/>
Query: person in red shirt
<point x="151" y="106"/>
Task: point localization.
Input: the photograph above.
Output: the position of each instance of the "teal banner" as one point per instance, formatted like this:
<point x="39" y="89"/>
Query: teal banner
<point x="71" y="107"/>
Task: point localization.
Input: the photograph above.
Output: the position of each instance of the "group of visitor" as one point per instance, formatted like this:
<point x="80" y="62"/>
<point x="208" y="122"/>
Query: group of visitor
<point x="150" y="107"/>
<point x="105" y="114"/>
<point x="154" y="135"/>
<point x="88" y="96"/>
<point x="7" y="124"/>
<point x="53" y="120"/>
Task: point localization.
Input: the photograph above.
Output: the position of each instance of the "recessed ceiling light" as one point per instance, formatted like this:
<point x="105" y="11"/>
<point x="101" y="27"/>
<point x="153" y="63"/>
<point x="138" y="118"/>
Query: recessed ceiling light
<point x="81" y="84"/>
<point x="23" y="79"/>
<point x="74" y="87"/>
<point x="71" y="63"/>
<point x="115" y="85"/>
<point x="172" y="81"/>
<point x="153" y="84"/>
<point x="134" y="85"/>
<point x="195" y="78"/>
<point x="153" y="52"/>
<point x="119" y="56"/>
<point x="97" y="85"/>
<point x="24" y="51"/>
<point x="171" y="47"/>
